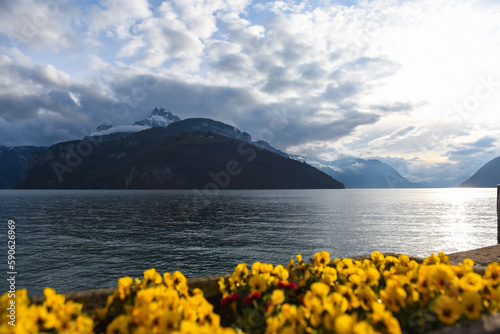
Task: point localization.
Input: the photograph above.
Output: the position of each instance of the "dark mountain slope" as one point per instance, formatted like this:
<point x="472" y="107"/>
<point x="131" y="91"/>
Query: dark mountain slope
<point x="13" y="161"/>
<point x="176" y="157"/>
<point x="486" y="176"/>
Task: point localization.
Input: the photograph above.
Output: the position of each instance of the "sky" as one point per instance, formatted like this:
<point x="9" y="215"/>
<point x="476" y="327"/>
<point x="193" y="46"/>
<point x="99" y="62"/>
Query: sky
<point x="415" y="84"/>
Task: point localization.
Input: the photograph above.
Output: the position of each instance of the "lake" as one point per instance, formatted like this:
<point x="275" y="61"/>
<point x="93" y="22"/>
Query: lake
<point x="82" y="239"/>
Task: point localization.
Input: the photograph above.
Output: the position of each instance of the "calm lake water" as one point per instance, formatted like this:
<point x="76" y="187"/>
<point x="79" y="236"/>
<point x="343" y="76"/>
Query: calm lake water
<point x="75" y="239"/>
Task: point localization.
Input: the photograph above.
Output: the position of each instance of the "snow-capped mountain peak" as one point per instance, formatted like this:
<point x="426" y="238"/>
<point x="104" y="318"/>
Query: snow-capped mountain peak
<point x="160" y="117"/>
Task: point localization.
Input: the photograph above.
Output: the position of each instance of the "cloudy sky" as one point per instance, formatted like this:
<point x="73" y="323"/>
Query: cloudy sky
<point x="412" y="83"/>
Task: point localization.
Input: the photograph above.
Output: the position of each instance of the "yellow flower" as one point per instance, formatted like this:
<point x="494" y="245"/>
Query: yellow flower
<point x="119" y="325"/>
<point x="124" y="285"/>
<point x="443" y="257"/>
<point x="294" y="315"/>
<point x="392" y="324"/>
<point x="342" y="267"/>
<point x="329" y="276"/>
<point x="188" y="327"/>
<point x="144" y="296"/>
<point x="336" y="304"/>
<point x="274" y="324"/>
<point x="151" y="276"/>
<point x="372" y="276"/>
<point x="468" y="263"/>
<point x="344" y="324"/>
<point x="447" y="309"/>
<point x="366" y="297"/>
<point x="222" y="286"/>
<point x="257" y="283"/>
<point x="321" y="259"/>
<point x="433" y="259"/>
<point x="471" y="282"/>
<point x="171" y="299"/>
<point x="168" y="321"/>
<point x="472" y="304"/>
<point x="278" y="297"/>
<point x="363" y="327"/>
<point x="423" y="283"/>
<point x="239" y="274"/>
<point x="262" y="268"/>
<point x="256" y="268"/>
<point x="320" y="289"/>
<point x="492" y="299"/>
<point x="443" y="277"/>
<point x="377" y="258"/>
<point x="329" y="322"/>
<point x="176" y="280"/>
<point x="348" y="294"/>
<point x="280" y="272"/>
<point x="492" y="273"/>
<point x="52" y="299"/>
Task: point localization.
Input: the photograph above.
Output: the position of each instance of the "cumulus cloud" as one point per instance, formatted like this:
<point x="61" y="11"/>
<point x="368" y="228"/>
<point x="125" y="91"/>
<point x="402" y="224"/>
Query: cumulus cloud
<point x="39" y="24"/>
<point x="115" y="18"/>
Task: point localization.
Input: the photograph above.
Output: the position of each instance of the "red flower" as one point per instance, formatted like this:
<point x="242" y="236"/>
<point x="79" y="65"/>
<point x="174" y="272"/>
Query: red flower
<point x="230" y="299"/>
<point x="287" y="286"/>
<point x="251" y="297"/>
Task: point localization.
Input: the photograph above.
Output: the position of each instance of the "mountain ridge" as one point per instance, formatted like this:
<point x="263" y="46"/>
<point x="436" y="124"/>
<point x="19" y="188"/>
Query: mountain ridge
<point x="13" y="161"/>
<point x="486" y="176"/>
<point x="360" y="173"/>
<point x="173" y="158"/>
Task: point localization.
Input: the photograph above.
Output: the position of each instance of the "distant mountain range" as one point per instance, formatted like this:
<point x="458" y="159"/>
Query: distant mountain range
<point x="360" y="173"/>
<point x="486" y="176"/>
<point x="194" y="153"/>
<point x="351" y="172"/>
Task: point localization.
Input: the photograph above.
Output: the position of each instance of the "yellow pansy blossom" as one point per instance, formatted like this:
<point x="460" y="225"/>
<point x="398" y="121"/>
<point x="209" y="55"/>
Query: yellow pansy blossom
<point x="321" y="259"/>
<point x="151" y="276"/>
<point x="278" y="297"/>
<point x="472" y="304"/>
<point x="257" y="283"/>
<point x="124" y="285"/>
<point x="492" y="273"/>
<point x="344" y="324"/>
<point x="280" y="272"/>
<point x="471" y="282"/>
<point x="447" y="309"/>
